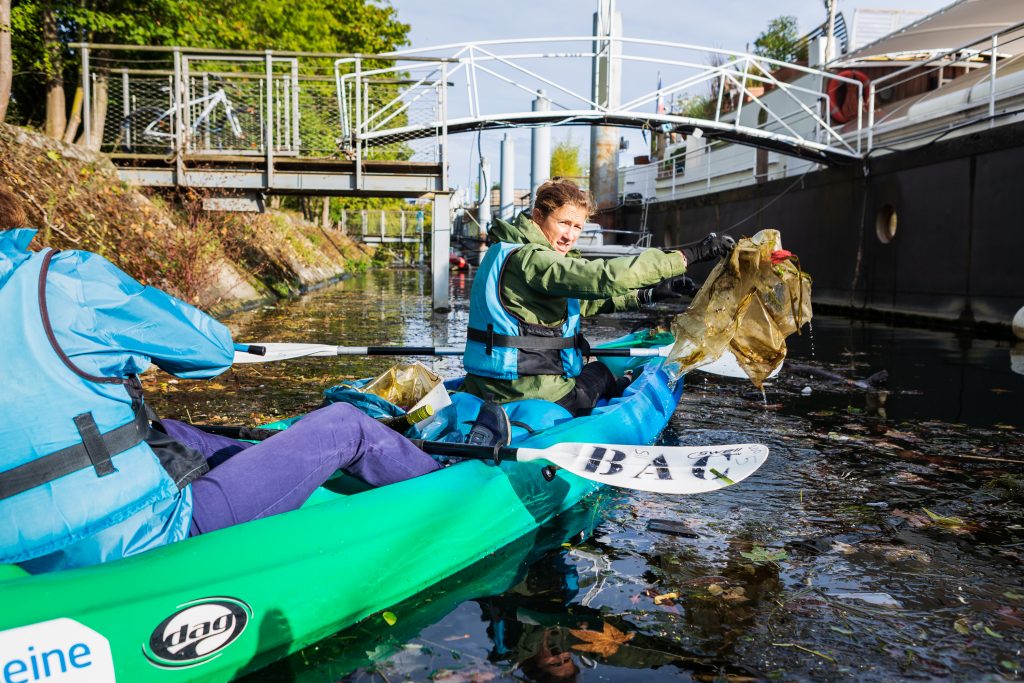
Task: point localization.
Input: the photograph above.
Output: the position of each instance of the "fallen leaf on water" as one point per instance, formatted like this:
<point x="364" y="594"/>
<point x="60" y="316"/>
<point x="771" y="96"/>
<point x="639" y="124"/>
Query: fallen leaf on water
<point x="389" y="618"/>
<point x="1002" y="425"/>
<point x="962" y="626"/>
<point x="605" y="643"/>
<point x="759" y="555"/>
<point x="665" y="597"/>
<point x="944" y="521"/>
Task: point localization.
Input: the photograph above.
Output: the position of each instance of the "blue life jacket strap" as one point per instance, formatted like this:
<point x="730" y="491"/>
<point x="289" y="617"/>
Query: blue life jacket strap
<point x="93" y="451"/>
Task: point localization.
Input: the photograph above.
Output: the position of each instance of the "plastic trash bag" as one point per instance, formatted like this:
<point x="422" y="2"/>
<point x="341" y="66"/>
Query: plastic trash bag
<point x="408" y="386"/>
<point x="748" y="305"/>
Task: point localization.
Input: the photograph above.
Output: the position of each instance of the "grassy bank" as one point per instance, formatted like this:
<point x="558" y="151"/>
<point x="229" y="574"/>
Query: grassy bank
<point x="218" y="261"/>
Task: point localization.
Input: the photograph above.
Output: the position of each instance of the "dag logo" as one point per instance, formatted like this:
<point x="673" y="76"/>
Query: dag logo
<point x="197" y="632"/>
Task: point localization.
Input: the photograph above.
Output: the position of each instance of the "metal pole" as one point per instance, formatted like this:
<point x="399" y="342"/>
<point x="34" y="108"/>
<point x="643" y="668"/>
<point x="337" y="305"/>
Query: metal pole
<point x="268" y="122"/>
<point x="443" y="151"/>
<point x="440" y="243"/>
<point x="176" y="96"/>
<point x="126" y="104"/>
<point x="296" y="139"/>
<point x="508" y="164"/>
<point x="605" y="89"/>
<point x="206" y="93"/>
<point x="540" y="147"/>
<point x="357" y="113"/>
<point x="86" y="98"/>
<point x="992" y="82"/>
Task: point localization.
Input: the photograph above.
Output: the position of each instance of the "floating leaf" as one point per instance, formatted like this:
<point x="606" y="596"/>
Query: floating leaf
<point x="389" y="618"/>
<point x="759" y="555"/>
<point x="844" y="631"/>
<point x="665" y="597"/>
<point x="605" y="643"/>
<point x="944" y="521"/>
<point x="993" y="633"/>
<point x="1007" y="664"/>
<point x="1013" y="595"/>
<point x="962" y="627"/>
<point x="53" y="155"/>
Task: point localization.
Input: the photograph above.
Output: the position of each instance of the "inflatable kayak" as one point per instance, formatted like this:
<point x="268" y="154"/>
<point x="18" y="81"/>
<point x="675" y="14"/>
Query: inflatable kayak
<point x="217" y="606"/>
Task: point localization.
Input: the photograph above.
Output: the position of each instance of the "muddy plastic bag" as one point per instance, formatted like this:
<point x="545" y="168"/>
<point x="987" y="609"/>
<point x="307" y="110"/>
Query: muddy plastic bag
<point x="748" y="305"/>
<point x="409" y="386"/>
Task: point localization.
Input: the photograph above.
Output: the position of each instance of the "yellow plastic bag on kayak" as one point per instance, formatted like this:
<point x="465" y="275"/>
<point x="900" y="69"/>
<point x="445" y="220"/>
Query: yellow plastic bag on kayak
<point x="409" y="386"/>
<point x="748" y="305"/>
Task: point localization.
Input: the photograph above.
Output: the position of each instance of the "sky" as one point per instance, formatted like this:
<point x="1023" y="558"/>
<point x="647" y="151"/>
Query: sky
<point x="697" y="22"/>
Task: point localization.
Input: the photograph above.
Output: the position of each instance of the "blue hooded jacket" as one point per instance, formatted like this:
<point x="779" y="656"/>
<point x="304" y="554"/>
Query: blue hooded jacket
<point x="76" y="332"/>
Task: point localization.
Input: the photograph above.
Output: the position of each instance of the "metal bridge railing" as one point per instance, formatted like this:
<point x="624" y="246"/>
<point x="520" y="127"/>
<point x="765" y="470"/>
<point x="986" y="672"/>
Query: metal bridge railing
<point x="171" y="102"/>
<point x="492" y="84"/>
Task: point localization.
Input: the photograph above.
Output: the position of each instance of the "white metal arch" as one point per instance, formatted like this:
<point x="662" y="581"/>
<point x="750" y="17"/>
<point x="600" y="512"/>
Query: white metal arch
<point x="491" y="84"/>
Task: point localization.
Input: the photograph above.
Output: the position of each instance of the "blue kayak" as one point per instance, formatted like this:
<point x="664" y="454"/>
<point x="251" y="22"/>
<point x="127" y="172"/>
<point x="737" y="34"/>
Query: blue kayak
<point x="224" y="604"/>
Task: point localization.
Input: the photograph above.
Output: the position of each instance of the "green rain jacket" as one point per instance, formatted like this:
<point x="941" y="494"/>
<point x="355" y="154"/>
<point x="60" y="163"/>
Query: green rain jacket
<point x="538" y="280"/>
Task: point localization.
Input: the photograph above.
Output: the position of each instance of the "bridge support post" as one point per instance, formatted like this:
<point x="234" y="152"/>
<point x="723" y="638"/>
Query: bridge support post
<point x="540" y="152"/>
<point x="440" y="243"/>
<point x="507" y="194"/>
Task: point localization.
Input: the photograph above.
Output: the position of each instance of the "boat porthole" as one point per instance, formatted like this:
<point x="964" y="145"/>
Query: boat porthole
<point x="885" y="223"/>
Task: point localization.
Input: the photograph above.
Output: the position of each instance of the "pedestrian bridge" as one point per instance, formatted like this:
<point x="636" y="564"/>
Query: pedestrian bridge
<point x="242" y="125"/>
<point x="282" y="122"/>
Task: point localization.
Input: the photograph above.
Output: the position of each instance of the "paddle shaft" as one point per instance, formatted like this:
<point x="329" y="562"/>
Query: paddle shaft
<point x="460" y="450"/>
<point x="325" y="349"/>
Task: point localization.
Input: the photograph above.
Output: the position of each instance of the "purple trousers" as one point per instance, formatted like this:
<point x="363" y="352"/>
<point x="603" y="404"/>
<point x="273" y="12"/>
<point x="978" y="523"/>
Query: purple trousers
<point x="248" y="481"/>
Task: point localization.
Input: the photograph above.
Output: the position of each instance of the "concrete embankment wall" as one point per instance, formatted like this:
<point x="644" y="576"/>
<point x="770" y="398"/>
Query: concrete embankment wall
<point x="217" y="261"/>
<point x="955" y="254"/>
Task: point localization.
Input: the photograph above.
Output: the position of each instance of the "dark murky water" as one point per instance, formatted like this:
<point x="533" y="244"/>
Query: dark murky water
<point x="883" y="540"/>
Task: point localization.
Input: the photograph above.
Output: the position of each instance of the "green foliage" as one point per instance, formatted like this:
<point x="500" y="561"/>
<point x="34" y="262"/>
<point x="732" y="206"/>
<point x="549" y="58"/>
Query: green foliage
<point x="339" y="26"/>
<point x="779" y="40"/>
<point x="565" y="160"/>
<point x="694" y="106"/>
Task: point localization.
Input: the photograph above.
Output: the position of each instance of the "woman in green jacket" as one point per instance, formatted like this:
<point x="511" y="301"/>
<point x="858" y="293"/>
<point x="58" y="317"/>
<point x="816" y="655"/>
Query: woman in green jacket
<point x="531" y="289"/>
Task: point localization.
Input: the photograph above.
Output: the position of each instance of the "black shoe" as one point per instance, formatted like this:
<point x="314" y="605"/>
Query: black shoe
<point x="491" y="427"/>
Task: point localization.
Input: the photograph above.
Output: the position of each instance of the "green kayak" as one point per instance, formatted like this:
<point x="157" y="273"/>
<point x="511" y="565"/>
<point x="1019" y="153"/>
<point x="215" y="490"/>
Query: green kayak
<point x="217" y="606"/>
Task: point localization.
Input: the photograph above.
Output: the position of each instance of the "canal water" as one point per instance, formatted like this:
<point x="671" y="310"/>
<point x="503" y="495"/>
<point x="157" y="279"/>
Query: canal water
<point x="883" y="539"/>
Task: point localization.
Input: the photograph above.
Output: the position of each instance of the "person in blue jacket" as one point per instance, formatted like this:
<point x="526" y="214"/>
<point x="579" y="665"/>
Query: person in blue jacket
<point x="87" y="473"/>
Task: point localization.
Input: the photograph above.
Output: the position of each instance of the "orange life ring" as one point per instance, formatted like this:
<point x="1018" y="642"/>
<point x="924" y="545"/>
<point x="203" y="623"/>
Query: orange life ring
<point x="842" y="97"/>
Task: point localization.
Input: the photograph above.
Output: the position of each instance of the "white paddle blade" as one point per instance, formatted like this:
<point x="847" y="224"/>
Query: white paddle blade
<point x="726" y="365"/>
<point x="284" y="351"/>
<point x="660" y="469"/>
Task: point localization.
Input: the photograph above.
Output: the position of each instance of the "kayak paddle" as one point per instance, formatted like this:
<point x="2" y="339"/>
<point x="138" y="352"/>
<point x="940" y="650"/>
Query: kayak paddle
<point x="724" y="366"/>
<point x="661" y="469"/>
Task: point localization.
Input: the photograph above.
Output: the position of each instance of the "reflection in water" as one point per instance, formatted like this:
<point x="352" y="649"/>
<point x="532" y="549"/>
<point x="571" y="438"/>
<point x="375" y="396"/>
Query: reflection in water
<point x="882" y="540"/>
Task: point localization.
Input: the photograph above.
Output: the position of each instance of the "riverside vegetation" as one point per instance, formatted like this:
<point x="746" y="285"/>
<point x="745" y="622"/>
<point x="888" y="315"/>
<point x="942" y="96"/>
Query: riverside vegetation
<point x="218" y="261"/>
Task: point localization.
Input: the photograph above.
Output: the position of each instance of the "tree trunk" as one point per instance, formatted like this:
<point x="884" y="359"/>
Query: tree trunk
<point x="325" y="213"/>
<point x="76" y="116"/>
<point x="6" y="60"/>
<point x="100" y="100"/>
<point x="56" y="107"/>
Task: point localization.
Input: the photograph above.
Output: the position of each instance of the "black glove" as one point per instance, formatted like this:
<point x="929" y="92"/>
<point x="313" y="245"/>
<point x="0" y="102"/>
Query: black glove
<point x="671" y="288"/>
<point x="710" y="248"/>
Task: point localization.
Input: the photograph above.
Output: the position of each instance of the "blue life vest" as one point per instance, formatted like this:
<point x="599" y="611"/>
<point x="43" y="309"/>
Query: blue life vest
<point x="76" y="474"/>
<point x="501" y="345"/>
